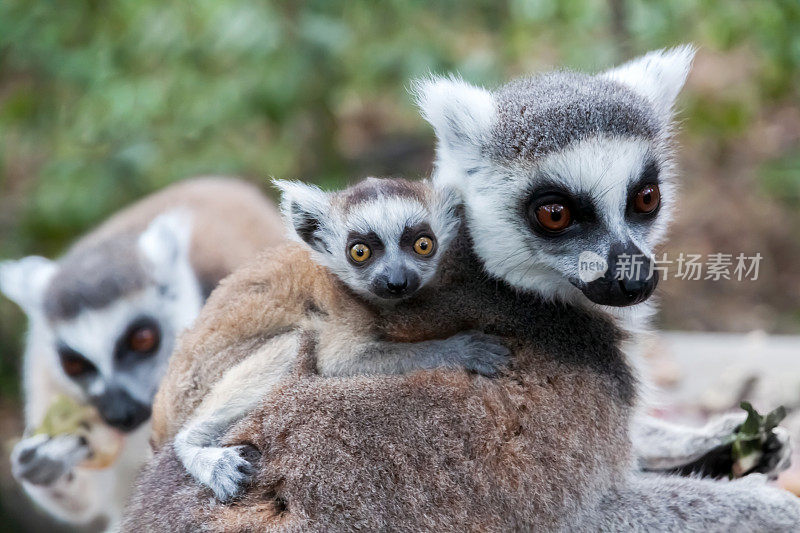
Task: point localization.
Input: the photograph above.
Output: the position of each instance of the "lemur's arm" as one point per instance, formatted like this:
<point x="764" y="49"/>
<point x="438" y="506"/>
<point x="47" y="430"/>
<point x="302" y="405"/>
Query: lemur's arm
<point x="652" y="502"/>
<point x="338" y="353"/>
<point x="666" y="447"/>
<point x="225" y="469"/>
<point x="47" y="468"/>
<point x="344" y="355"/>
<point x="257" y="302"/>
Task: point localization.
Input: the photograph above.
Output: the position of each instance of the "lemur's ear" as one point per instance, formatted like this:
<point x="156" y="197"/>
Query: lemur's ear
<point x="25" y="280"/>
<point x="658" y="76"/>
<point x="461" y="114"/>
<point x="166" y="243"/>
<point x="304" y="207"/>
<point x="446" y="206"/>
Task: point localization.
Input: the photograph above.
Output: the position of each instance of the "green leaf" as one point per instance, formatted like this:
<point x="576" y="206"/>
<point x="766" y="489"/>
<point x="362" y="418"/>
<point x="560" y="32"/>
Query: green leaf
<point x="752" y="423"/>
<point x="774" y="418"/>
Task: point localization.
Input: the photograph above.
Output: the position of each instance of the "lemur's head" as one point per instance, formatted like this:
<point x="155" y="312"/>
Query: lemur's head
<point x="382" y="237"/>
<point x="564" y="167"/>
<point x="108" y="312"/>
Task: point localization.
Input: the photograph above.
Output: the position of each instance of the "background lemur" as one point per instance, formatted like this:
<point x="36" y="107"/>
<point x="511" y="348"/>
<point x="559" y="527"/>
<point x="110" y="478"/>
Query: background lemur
<point x="103" y="320"/>
<point x="383" y="239"/>
<point x="548" y="167"/>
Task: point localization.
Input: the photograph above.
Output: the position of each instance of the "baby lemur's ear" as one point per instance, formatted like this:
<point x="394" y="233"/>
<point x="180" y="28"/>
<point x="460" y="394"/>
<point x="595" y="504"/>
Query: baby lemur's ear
<point x="304" y="207"/>
<point x="657" y="76"/>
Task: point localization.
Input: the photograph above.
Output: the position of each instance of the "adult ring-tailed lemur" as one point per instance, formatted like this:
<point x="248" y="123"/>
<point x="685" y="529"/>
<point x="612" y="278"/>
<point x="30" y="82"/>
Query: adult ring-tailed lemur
<point x="103" y="321"/>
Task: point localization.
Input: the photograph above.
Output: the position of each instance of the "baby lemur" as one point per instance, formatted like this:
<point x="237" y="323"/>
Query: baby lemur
<point x="382" y="239"/>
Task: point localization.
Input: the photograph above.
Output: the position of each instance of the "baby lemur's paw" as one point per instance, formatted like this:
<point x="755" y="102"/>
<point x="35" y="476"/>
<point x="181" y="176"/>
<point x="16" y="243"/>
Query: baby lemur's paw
<point x="229" y="469"/>
<point x="483" y="354"/>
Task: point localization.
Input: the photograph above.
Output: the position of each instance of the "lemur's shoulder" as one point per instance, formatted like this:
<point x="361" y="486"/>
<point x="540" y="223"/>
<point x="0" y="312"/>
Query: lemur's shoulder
<point x="270" y="295"/>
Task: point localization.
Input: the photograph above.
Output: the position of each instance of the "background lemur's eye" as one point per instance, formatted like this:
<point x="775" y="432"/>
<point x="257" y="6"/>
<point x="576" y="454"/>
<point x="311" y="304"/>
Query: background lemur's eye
<point x="647" y="199"/>
<point x="423" y="246"/>
<point x="360" y="252"/>
<point x="553" y="217"/>
<point x="73" y="363"/>
<point x="143" y="339"/>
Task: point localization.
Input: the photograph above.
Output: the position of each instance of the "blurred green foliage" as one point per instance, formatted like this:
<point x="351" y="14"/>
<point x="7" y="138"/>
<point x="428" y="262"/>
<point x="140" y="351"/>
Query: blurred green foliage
<point x="102" y="102"/>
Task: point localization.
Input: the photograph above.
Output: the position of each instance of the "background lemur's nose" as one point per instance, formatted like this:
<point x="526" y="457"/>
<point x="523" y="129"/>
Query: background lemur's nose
<point x="119" y="410"/>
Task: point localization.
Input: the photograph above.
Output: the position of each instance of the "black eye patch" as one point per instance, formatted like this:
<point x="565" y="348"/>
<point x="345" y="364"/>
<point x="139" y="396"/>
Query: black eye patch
<point x="649" y="176"/>
<point x="74" y="364"/>
<point x="412" y="233"/>
<point x="124" y="351"/>
<point x="580" y="207"/>
<point x="371" y="239"/>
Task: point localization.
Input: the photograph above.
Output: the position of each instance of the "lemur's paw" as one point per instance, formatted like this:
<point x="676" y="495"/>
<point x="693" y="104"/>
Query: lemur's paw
<point x="777" y="452"/>
<point x="484" y="354"/>
<point x="42" y="460"/>
<point x="777" y="449"/>
<point x="231" y="469"/>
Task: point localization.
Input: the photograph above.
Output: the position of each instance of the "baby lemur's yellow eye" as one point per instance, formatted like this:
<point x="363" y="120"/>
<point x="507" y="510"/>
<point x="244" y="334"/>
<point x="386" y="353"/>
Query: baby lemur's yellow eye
<point x="360" y="252"/>
<point x="423" y="246"/>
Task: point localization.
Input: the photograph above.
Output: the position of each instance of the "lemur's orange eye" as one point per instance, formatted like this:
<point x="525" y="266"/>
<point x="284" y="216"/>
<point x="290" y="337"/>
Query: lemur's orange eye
<point x="553" y="217"/>
<point x="647" y="199"/>
<point x="360" y="252"/>
<point x="143" y="339"/>
<point x="423" y="246"/>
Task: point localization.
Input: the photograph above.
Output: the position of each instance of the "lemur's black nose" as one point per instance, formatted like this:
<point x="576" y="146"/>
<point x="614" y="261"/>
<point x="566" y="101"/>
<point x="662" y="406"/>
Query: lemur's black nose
<point x="119" y="410"/>
<point x="637" y="290"/>
<point x="397" y="286"/>
<point x="628" y="280"/>
<point x="396" y="283"/>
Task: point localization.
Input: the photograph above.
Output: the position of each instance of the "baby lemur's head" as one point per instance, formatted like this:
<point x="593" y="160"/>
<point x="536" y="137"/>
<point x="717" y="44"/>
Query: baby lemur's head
<point x="382" y="237"/>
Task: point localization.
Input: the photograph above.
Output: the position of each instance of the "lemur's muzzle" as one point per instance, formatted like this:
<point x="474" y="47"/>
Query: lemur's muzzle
<point x="630" y="278"/>
<point x="398" y="282"/>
